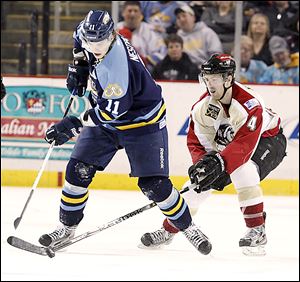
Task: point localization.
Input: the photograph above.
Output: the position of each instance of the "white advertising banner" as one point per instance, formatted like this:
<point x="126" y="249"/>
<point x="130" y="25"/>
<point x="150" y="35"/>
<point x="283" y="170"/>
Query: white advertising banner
<point x="32" y="104"/>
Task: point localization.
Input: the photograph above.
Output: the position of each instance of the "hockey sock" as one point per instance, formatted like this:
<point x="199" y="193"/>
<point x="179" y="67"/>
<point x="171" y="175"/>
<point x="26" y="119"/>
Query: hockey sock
<point x="170" y="227"/>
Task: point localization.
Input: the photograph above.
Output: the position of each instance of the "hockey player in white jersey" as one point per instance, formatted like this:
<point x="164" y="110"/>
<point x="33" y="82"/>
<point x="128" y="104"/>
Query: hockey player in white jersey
<point x="234" y="138"/>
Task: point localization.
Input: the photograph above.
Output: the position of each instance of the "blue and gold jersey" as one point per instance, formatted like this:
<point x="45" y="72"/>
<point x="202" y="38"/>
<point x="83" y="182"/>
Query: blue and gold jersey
<point x="124" y="95"/>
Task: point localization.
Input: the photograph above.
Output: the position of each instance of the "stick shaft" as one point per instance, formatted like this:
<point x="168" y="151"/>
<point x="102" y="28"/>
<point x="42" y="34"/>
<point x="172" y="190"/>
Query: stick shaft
<point x="50" y="251"/>
<point x="112" y="223"/>
<point x="37" y="179"/>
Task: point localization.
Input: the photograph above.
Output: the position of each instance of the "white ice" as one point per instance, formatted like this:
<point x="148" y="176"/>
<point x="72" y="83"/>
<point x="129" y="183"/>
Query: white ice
<point x="113" y="254"/>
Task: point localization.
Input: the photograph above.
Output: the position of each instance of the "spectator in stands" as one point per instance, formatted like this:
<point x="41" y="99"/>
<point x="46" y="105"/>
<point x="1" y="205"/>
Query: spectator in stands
<point x="253" y="7"/>
<point x="199" y="41"/>
<point x="285" y="69"/>
<point x="251" y="70"/>
<point x="199" y="7"/>
<point x="221" y="18"/>
<point x="283" y="18"/>
<point x="177" y="64"/>
<point x="148" y="44"/>
<point x="259" y="31"/>
<point x="160" y="15"/>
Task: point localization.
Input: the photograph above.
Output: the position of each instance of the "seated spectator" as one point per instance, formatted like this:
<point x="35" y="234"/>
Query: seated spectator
<point x="283" y="18"/>
<point x="199" y="41"/>
<point x="292" y="39"/>
<point x="177" y="64"/>
<point x="285" y="70"/>
<point x="251" y="70"/>
<point x="253" y="7"/>
<point x="160" y="15"/>
<point x="199" y="7"/>
<point x="259" y="31"/>
<point x="147" y="43"/>
<point x="221" y="18"/>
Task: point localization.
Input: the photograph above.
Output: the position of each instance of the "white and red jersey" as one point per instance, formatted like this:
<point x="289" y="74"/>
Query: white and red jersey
<point x="247" y="115"/>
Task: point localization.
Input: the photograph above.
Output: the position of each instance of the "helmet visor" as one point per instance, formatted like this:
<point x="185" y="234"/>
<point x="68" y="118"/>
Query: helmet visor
<point x="100" y="48"/>
<point x="211" y="79"/>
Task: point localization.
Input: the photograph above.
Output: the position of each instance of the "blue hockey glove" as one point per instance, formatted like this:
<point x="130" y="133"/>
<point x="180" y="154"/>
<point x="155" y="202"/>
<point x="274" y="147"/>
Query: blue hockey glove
<point x="77" y="77"/>
<point x="206" y="171"/>
<point x="64" y="130"/>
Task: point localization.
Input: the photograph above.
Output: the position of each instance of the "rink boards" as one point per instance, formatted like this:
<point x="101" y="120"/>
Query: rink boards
<point x="33" y="104"/>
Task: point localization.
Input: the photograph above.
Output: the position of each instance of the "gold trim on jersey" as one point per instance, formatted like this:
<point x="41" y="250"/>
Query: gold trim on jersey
<point x="106" y="116"/>
<point x="144" y="123"/>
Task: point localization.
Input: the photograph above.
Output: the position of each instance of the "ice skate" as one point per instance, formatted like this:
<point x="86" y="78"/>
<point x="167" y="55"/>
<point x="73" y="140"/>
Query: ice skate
<point x="61" y="234"/>
<point x="253" y="243"/>
<point x="157" y="238"/>
<point x="198" y="239"/>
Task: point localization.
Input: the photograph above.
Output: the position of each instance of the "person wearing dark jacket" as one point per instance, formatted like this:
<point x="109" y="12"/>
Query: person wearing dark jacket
<point x="176" y="65"/>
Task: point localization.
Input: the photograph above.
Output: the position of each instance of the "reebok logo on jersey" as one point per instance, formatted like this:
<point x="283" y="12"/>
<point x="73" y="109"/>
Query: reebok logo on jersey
<point x="250" y="104"/>
<point x="161" y="158"/>
<point x="212" y="111"/>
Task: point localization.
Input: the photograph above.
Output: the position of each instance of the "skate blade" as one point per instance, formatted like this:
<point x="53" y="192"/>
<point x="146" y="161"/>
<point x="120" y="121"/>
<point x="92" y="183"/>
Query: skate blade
<point x="254" y="251"/>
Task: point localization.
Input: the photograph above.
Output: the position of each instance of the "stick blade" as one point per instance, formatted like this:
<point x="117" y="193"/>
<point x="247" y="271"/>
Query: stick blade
<point x="26" y="246"/>
<point x="17" y="222"/>
<point x="10" y="240"/>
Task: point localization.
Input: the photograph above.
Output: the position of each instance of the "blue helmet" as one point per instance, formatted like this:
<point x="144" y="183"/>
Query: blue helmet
<point x="97" y="26"/>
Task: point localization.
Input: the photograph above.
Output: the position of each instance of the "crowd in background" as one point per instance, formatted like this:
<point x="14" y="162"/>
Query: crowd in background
<point x="174" y="38"/>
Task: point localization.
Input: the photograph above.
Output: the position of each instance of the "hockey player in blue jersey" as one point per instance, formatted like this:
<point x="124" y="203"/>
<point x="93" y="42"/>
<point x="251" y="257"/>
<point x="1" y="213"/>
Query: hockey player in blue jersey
<point x="128" y="112"/>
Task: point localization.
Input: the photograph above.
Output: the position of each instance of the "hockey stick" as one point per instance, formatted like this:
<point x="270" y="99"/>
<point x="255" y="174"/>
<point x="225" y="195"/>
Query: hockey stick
<point x="50" y="251"/>
<point x="18" y="219"/>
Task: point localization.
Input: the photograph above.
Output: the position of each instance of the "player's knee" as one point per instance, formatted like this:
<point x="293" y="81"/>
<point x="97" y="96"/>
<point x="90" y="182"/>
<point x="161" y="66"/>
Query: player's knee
<point x="156" y="188"/>
<point x="79" y="173"/>
<point x="249" y="196"/>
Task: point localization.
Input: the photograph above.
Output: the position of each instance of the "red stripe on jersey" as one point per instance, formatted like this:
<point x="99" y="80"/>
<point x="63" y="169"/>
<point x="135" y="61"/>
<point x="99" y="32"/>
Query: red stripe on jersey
<point x="194" y="146"/>
<point x="240" y="150"/>
<point x="272" y="132"/>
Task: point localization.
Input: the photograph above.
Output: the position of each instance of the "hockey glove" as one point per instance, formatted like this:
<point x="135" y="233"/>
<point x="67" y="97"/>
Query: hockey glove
<point x="3" y="90"/>
<point x="64" y="130"/>
<point x="224" y="135"/>
<point x="206" y="171"/>
<point x="78" y="77"/>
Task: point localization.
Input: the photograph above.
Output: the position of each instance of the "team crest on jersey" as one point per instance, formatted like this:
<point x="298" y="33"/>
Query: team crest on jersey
<point x="112" y="91"/>
<point x="212" y="111"/>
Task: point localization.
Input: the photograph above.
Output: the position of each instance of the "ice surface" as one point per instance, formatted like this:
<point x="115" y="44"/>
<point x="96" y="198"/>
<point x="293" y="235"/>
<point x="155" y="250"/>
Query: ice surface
<point x="113" y="254"/>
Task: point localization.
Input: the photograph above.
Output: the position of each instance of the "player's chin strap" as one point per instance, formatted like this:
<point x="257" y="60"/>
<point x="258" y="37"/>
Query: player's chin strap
<point x="225" y="89"/>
